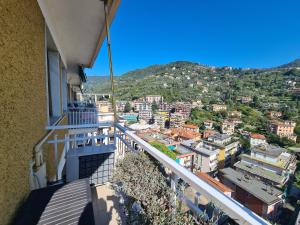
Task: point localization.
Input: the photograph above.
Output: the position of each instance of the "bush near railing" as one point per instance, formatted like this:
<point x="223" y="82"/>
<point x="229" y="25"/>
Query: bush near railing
<point x="147" y="194"/>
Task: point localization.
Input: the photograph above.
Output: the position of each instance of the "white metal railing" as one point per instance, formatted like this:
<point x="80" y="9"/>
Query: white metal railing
<point x="80" y="116"/>
<point x="232" y="208"/>
<point x="76" y="141"/>
<point x="125" y="140"/>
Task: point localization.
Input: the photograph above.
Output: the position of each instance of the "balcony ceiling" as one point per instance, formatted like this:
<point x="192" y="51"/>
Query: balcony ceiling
<point x="77" y="28"/>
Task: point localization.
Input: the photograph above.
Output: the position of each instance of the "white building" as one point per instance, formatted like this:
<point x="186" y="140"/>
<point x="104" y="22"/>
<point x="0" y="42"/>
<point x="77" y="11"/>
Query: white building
<point x="257" y="139"/>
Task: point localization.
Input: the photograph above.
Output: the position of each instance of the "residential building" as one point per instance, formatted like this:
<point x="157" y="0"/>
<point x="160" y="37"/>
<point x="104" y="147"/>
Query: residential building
<point x="42" y="53"/>
<point x="120" y="106"/>
<point x="181" y="134"/>
<point x="235" y="114"/>
<point x="218" y="107"/>
<point x="184" y="108"/>
<point x="284" y="128"/>
<point x="160" y="120"/>
<point x="154" y="98"/>
<point x="104" y="106"/>
<point x="227" y="127"/>
<point x="206" y="158"/>
<point x="197" y="104"/>
<point x="259" y="197"/>
<point x="246" y="99"/>
<point x="207" y="133"/>
<point x="271" y="161"/>
<point x="229" y="148"/>
<point x="138" y="106"/>
<point x="145" y="115"/>
<point x="164" y="106"/>
<point x="257" y="139"/>
<point x="208" y="124"/>
<point x="191" y="127"/>
<point x="274" y="114"/>
<point x="176" y="120"/>
<point x="214" y="182"/>
<point x="185" y="157"/>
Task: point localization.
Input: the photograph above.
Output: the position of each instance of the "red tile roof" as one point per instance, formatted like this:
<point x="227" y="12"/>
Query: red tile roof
<point x="257" y="136"/>
<point x="190" y="126"/>
<point x="214" y="182"/>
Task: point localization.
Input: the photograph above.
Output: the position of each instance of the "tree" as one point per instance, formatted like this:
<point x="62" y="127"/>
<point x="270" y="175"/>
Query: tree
<point x="147" y="191"/>
<point x="154" y="106"/>
<point x="127" y="107"/>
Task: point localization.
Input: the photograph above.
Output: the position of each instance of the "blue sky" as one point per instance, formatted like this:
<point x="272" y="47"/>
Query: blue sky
<point x="238" y="33"/>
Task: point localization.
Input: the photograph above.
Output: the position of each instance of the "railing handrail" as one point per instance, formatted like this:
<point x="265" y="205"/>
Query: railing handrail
<point x="231" y="207"/>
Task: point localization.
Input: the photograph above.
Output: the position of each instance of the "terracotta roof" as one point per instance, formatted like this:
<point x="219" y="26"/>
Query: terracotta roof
<point x="214" y="182"/>
<point x="190" y="126"/>
<point x="257" y="136"/>
<point x="185" y="133"/>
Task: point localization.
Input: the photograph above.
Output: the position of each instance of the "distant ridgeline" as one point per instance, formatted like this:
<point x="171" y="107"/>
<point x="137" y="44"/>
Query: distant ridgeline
<point x="187" y="81"/>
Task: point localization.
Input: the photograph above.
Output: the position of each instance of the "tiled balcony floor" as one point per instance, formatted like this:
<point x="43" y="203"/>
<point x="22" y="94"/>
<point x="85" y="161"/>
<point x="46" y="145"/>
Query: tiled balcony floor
<point x="107" y="210"/>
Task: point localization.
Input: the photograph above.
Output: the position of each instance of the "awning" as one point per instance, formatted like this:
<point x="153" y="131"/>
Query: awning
<point x="77" y="28"/>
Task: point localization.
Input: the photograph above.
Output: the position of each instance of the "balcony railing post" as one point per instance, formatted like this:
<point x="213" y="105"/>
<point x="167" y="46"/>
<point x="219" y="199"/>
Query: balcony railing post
<point x="56" y="156"/>
<point x="173" y="199"/>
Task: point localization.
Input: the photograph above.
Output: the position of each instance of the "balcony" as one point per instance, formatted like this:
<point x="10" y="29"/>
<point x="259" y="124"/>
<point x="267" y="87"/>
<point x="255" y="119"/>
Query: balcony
<point x="91" y="141"/>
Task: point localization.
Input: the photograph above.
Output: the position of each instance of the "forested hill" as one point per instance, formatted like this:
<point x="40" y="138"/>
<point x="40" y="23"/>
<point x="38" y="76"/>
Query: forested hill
<point x="187" y="81"/>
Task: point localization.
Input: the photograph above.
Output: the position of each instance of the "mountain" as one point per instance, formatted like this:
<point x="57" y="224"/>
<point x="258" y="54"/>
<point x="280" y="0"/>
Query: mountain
<point x="155" y="69"/>
<point x="295" y="63"/>
<point x="96" y="83"/>
<point x="189" y="81"/>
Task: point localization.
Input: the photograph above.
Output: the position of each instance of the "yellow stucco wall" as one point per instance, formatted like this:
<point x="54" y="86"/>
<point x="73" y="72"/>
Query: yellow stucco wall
<point x="221" y="158"/>
<point x="23" y="103"/>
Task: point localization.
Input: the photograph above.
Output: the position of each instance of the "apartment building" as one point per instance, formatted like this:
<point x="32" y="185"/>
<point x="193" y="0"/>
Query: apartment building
<point x="191" y="127"/>
<point x="257" y="139"/>
<point x="184" y="108"/>
<point x="207" y="133"/>
<point x="145" y="114"/>
<point x="42" y="54"/>
<point x="246" y="99"/>
<point x="154" y="98"/>
<point x="229" y="148"/>
<point x="207" y="156"/>
<point x="235" y="114"/>
<point x="139" y="105"/>
<point x="261" y="198"/>
<point x="120" y="106"/>
<point x="227" y="127"/>
<point x="274" y="114"/>
<point x="218" y="107"/>
<point x="208" y="124"/>
<point x="269" y="163"/>
<point x="283" y="128"/>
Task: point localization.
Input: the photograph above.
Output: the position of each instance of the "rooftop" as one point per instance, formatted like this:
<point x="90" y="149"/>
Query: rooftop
<point x="201" y="147"/>
<point x="185" y="133"/>
<point x="259" y="189"/>
<point x="270" y="150"/>
<point x="190" y="126"/>
<point x="221" y="187"/>
<point x="257" y="136"/>
<point x="258" y="171"/>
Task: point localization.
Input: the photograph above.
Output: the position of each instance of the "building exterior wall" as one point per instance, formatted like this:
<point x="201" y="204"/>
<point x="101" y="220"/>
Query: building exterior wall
<point x="23" y="102"/>
<point x="23" y="98"/>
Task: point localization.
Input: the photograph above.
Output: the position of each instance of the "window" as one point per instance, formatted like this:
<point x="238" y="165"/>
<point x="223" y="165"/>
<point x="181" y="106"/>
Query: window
<point x="54" y="80"/>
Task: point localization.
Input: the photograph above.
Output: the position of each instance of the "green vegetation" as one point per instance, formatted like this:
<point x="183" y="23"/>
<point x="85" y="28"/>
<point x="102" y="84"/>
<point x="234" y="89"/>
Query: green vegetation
<point x="164" y="149"/>
<point x="270" y="90"/>
<point x="148" y="193"/>
<point x="127" y="107"/>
